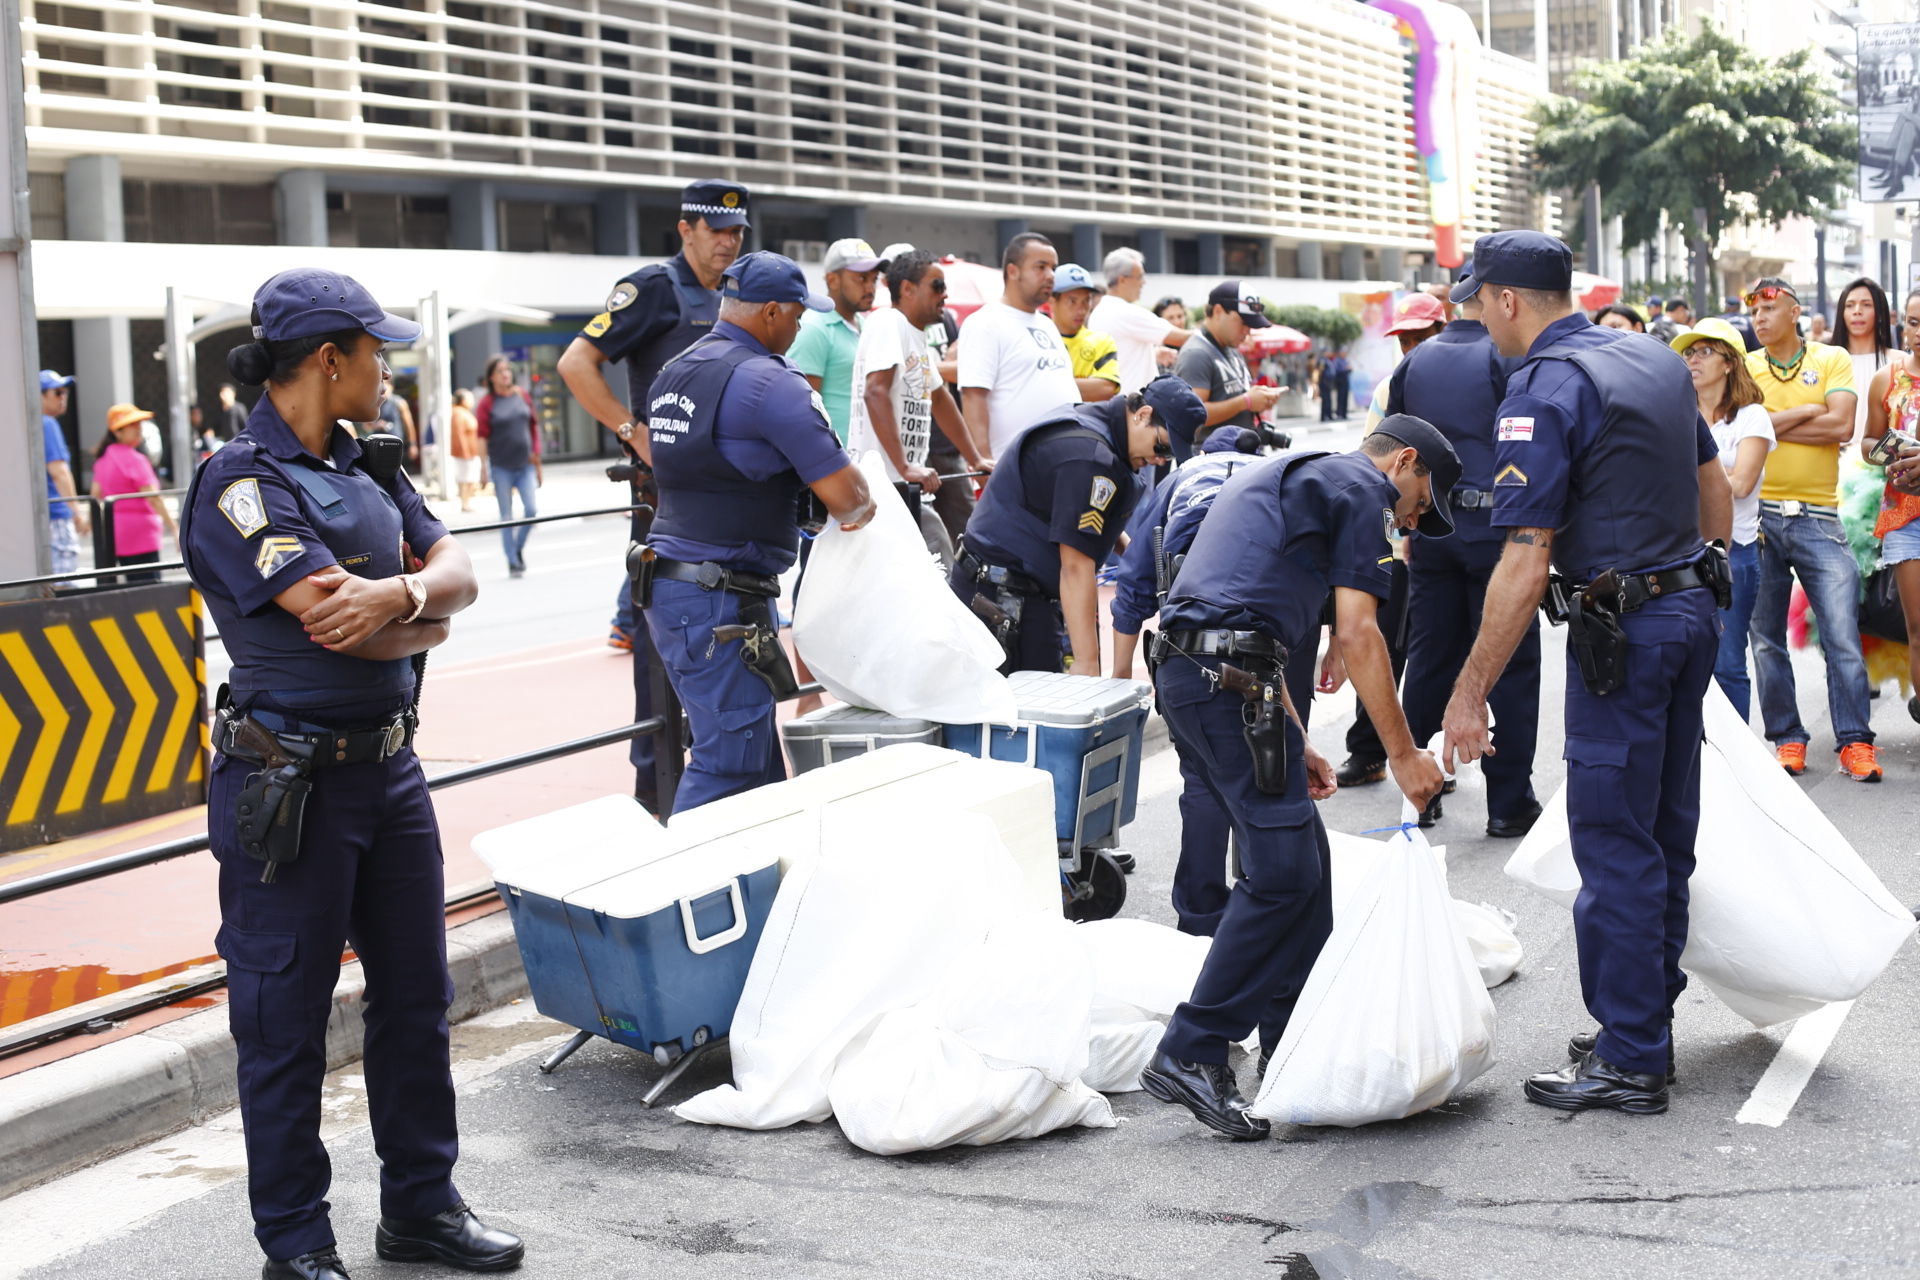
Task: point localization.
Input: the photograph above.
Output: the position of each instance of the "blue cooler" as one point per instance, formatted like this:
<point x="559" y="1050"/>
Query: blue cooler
<point x="1086" y="733"/>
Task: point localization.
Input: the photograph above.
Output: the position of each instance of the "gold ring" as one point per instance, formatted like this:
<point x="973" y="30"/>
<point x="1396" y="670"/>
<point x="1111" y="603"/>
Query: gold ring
<point x="338" y="635"/>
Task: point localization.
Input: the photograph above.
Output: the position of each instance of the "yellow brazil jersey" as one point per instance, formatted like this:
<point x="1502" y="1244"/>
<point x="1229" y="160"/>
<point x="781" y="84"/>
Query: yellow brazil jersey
<point x="1803" y="472"/>
<point x="1094" y="356"/>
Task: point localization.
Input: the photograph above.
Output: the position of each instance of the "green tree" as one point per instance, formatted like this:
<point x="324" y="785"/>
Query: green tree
<point x="1699" y="122"/>
<point x="1335" y="328"/>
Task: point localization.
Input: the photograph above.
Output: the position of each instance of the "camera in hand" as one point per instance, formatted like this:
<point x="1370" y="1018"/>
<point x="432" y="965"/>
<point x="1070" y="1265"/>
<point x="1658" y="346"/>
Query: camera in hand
<point x="1884" y="451"/>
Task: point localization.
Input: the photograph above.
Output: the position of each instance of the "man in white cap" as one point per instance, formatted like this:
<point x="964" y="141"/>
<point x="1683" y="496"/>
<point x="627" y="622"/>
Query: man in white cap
<point x="828" y="340"/>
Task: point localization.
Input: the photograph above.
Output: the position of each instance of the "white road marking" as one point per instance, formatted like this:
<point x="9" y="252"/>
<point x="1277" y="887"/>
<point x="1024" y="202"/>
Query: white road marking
<point x="1793" y="1066"/>
<point x="64" y="1216"/>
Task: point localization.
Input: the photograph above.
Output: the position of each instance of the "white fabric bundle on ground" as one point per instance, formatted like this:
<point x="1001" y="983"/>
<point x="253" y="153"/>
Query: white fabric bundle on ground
<point x="1394" y="1017"/>
<point x="880" y="628"/>
<point x="1488" y="930"/>
<point x="1785" y="916"/>
<point x="1141" y="973"/>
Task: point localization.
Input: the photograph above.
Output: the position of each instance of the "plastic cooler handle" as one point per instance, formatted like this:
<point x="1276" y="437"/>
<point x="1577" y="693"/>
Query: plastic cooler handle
<point x="732" y="933"/>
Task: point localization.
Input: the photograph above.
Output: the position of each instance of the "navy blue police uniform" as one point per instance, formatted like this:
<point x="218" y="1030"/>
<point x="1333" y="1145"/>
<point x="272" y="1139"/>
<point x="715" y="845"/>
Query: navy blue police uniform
<point x="1456" y="381"/>
<point x="1166" y="528"/>
<point x="1280" y="536"/>
<point x="1068" y="480"/>
<point x="260" y="515"/>
<point x="651" y="316"/>
<point x="736" y="435"/>
<point x="1599" y="440"/>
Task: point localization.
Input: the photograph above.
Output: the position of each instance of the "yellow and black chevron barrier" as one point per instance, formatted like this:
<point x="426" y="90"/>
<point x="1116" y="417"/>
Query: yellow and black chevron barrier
<point x="102" y="710"/>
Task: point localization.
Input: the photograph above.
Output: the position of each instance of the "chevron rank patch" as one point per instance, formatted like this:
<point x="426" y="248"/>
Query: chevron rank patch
<point x="1093" y="522"/>
<point x="243" y="508"/>
<point x="276" y="553"/>
<point x="622" y="296"/>
<point x="1103" y="491"/>
<point x="598" y="326"/>
<point x="1510" y="477"/>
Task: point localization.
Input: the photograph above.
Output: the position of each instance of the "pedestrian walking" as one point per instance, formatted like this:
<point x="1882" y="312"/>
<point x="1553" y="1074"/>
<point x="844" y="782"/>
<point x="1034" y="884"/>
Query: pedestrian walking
<point x="1286" y="535"/>
<point x="828" y="340"/>
<point x="325" y="574"/>
<point x="1096" y="358"/>
<point x="396" y="418"/>
<point x="232" y="416"/>
<point x="1140" y="337"/>
<point x="506" y="419"/>
<point x="1014" y="369"/>
<point x="1809" y="393"/>
<point x="1603" y="467"/>
<point x="67" y="519"/>
<point x="651" y="316"/>
<point x="121" y="468"/>
<point x="1894" y="405"/>
<point x="1212" y="365"/>
<point x="463" y="445"/>
<point x="1866" y="321"/>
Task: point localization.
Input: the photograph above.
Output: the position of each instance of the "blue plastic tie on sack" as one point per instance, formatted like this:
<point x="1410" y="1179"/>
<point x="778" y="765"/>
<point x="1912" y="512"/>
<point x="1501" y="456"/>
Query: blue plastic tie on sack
<point x="1404" y="828"/>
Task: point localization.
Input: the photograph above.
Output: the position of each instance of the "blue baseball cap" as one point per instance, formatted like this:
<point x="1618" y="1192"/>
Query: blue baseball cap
<point x="1520" y="259"/>
<point x="1183" y="412"/>
<point x="770" y="277"/>
<point x="309" y="301"/>
<point x="51" y="381"/>
<point x="722" y="204"/>
<point x="1071" y="275"/>
<point x="1443" y="464"/>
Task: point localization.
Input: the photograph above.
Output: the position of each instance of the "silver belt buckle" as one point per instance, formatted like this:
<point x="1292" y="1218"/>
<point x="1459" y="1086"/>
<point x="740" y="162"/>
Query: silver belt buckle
<point x="396" y="738"/>
<point x="1791" y="507"/>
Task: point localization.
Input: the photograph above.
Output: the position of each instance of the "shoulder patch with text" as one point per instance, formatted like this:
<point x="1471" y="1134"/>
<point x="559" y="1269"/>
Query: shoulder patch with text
<point x="1516" y="429"/>
<point x="1510" y="477"/>
<point x="1103" y="491"/>
<point x="622" y="296"/>
<point x="276" y="553"/>
<point x="242" y="507"/>
<point x="820" y="407"/>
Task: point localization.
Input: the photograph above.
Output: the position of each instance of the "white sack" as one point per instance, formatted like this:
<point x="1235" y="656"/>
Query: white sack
<point x="1491" y="942"/>
<point x="879" y="627"/>
<point x="1785" y="916"/>
<point x="870" y="925"/>
<point x="1141" y="972"/>
<point x="995" y="1052"/>
<point x="1394" y="1017"/>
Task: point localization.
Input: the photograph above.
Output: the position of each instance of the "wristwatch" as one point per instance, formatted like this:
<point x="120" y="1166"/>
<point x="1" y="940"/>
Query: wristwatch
<point x="624" y="430"/>
<point x="416" y="592"/>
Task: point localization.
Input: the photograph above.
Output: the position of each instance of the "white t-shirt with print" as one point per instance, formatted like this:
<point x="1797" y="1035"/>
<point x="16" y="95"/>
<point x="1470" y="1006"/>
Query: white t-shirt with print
<point x="887" y="341"/>
<point x="1747" y="423"/>
<point x="1138" y="335"/>
<point x="1020" y="360"/>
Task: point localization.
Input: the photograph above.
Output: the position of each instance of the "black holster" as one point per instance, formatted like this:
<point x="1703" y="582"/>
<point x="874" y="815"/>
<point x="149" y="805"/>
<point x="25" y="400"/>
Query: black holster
<point x="760" y="645"/>
<point x="1599" y="646"/>
<point x="641" y="560"/>
<point x="1717" y="567"/>
<point x="1266" y="734"/>
<point x="1002" y="614"/>
<point x="270" y="809"/>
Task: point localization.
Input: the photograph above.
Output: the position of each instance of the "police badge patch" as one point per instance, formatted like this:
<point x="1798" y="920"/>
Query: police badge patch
<point x="622" y="296"/>
<point x="1103" y="491"/>
<point x="820" y="407"/>
<point x="275" y="553"/>
<point x="243" y="508"/>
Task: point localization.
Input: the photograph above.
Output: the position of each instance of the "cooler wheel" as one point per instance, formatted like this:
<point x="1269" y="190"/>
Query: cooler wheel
<point x="1097" y="892"/>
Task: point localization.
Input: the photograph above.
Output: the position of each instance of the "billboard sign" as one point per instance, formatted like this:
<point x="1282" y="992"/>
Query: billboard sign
<point x="1889" y="89"/>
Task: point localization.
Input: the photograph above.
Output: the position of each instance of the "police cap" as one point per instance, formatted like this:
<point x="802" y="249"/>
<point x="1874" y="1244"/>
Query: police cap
<point x="722" y="204"/>
<point x="770" y="277"/>
<point x="1520" y="260"/>
<point x="1442" y="463"/>
<point x="309" y="301"/>
<point x="1177" y="406"/>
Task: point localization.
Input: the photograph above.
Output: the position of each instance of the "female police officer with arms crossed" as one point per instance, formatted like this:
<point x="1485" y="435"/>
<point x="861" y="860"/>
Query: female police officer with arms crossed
<point x="300" y="538"/>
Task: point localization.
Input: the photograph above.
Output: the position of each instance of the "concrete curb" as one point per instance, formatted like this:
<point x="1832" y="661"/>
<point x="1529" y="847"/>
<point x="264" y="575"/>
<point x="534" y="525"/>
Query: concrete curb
<point x="71" y="1113"/>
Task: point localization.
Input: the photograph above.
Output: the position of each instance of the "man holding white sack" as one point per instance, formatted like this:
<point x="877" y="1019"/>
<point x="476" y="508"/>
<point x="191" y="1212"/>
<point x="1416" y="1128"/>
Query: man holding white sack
<point x="1283" y="535"/>
<point x="1602" y="463"/>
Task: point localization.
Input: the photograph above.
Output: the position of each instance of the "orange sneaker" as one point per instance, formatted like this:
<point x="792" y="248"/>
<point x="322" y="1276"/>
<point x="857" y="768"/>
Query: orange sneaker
<point x="1859" y="761"/>
<point x="1792" y="757"/>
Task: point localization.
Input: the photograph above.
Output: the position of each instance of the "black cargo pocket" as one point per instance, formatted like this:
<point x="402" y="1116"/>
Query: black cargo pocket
<point x="1596" y="778"/>
<point x="263" y="989"/>
<point x="746" y="738"/>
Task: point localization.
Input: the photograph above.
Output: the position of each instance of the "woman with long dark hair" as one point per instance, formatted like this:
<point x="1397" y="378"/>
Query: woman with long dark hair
<point x="1866" y="331"/>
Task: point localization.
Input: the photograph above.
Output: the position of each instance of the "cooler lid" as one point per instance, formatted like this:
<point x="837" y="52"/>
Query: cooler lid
<point x="559" y="852"/>
<point x="853" y="722"/>
<point x="692" y="872"/>
<point x="1058" y="698"/>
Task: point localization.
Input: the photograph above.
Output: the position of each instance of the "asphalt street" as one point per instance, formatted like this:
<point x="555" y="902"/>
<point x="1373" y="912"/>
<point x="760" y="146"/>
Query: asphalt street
<point x="1487" y="1186"/>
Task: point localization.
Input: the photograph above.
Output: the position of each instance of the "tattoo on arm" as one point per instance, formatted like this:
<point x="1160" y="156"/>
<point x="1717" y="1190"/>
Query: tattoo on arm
<point x="1531" y="537"/>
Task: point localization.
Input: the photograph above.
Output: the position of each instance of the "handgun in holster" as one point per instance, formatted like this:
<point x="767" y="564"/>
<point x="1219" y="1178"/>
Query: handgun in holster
<point x="1265" y="724"/>
<point x="1002" y="613"/>
<point x="760" y="645"/>
<point x="1593" y="629"/>
<point x="641" y="559"/>
<point x="270" y="809"/>
<point x="1717" y="567"/>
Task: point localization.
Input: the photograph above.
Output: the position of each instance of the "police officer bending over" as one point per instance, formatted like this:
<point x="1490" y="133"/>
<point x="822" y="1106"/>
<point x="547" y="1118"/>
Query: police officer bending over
<point x="735" y="437"/>
<point x="1055" y="506"/>
<point x="1602" y="465"/>
<point x="1283" y="533"/>
<point x="301" y="539"/>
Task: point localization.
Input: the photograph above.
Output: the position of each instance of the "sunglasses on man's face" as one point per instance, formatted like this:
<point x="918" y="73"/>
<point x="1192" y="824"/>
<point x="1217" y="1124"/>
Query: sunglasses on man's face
<point x="1769" y="293"/>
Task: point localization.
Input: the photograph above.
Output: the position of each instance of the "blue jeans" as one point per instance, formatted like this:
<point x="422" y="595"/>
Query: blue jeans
<point x="506" y="480"/>
<point x="1730" y="667"/>
<point x="1814" y="548"/>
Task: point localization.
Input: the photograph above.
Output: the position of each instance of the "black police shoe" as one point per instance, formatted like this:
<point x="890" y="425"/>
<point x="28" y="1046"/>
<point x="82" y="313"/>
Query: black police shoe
<point x="1431" y="815"/>
<point x="1593" y="1083"/>
<point x="1358" y="771"/>
<point x="1124" y="861"/>
<point x="1208" y="1090"/>
<point x="1515" y="827"/>
<point x="321" y="1264"/>
<point x="1581" y="1045"/>
<point x="455" y="1237"/>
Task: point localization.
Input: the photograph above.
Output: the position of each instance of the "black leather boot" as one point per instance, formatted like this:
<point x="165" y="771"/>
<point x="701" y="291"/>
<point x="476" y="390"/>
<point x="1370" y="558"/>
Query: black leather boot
<point x="1594" y="1083"/>
<point x="455" y="1237"/>
<point x="1208" y="1090"/>
<point x="1516" y="826"/>
<point x="1358" y="771"/>
<point x="321" y="1264"/>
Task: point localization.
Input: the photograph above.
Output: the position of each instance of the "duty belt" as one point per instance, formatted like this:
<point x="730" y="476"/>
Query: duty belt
<point x="1792" y="507"/>
<point x="1636" y="589"/>
<point x="1012" y="579"/>
<point x="1224" y="643"/>
<point x="323" y="748"/>
<point x="709" y="576"/>
<point x="1470" y="499"/>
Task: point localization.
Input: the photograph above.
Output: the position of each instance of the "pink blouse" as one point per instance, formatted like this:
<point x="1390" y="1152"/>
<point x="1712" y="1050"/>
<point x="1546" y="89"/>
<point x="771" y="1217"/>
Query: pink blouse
<point x="136" y="525"/>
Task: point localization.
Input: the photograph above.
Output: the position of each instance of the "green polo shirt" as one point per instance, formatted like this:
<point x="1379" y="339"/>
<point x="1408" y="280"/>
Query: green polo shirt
<point x="825" y="350"/>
